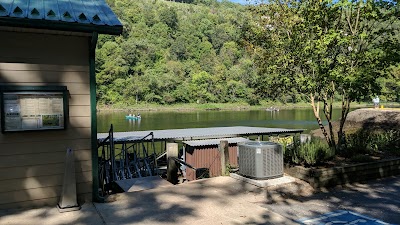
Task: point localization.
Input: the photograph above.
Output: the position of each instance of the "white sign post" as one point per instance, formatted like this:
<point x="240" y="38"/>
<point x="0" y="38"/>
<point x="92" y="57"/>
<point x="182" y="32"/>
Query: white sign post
<point x="68" y="200"/>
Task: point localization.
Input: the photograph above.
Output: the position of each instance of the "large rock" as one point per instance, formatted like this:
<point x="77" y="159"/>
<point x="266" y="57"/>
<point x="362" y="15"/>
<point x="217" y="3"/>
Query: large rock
<point x="369" y="119"/>
<point x="375" y="118"/>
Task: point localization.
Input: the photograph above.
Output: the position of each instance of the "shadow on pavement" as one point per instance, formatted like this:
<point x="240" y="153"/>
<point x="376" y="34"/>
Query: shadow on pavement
<point x="224" y="200"/>
<point x="378" y="199"/>
<point x="221" y="200"/>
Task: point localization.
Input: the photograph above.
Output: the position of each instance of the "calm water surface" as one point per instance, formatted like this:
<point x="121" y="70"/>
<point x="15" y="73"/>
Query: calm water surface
<point x="285" y="118"/>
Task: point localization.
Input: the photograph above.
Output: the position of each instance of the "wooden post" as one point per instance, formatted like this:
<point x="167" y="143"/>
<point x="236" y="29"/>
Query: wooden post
<point x="224" y="153"/>
<point x="172" y="169"/>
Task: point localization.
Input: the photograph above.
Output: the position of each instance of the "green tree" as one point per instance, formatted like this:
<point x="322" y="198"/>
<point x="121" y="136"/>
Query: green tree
<point x="325" y="49"/>
<point x="201" y="87"/>
<point x="391" y="85"/>
<point x="169" y="17"/>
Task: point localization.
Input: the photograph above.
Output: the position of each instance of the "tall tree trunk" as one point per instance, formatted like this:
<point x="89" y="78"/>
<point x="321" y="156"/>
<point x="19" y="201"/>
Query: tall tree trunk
<point x="328" y="106"/>
<point x="328" y="116"/>
<point x="316" y="114"/>
<point x="345" y="111"/>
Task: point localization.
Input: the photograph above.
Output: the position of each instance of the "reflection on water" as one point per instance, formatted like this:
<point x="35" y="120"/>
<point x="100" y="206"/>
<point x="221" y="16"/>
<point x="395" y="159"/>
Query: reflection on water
<point x="134" y="123"/>
<point x="290" y="118"/>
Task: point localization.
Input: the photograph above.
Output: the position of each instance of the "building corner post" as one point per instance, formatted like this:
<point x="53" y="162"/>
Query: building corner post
<point x="93" y="115"/>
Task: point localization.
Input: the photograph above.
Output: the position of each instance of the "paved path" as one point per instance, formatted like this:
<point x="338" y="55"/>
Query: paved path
<point x="223" y="200"/>
<point x="379" y="199"/>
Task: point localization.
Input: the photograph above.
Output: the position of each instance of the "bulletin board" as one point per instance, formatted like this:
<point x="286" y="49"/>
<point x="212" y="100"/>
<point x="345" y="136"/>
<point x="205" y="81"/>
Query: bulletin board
<point x="33" y="108"/>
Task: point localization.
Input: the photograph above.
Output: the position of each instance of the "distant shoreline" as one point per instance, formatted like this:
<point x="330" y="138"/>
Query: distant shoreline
<point x="199" y="107"/>
<point x="225" y="107"/>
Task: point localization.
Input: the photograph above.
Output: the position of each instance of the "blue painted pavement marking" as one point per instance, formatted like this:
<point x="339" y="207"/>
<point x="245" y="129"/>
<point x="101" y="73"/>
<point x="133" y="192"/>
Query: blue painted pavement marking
<point x="342" y="217"/>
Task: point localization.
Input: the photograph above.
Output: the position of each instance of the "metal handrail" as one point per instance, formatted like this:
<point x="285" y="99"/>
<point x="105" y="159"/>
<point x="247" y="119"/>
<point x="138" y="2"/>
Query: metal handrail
<point x="184" y="163"/>
<point x="118" y="167"/>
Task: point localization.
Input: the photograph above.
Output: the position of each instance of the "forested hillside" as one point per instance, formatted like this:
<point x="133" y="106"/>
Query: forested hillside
<point x="193" y="51"/>
<point x="174" y="52"/>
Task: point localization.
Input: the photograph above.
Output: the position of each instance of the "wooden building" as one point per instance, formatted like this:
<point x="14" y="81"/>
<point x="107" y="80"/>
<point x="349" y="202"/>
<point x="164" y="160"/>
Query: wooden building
<point x="48" y="97"/>
<point x="205" y="154"/>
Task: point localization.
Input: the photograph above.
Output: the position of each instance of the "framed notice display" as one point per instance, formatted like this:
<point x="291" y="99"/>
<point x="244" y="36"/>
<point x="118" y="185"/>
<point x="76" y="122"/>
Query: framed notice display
<point x="33" y="108"/>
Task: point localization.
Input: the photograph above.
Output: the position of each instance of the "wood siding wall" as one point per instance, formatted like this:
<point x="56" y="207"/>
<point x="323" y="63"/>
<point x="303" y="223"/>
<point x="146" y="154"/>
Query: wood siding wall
<point x="32" y="163"/>
<point x="208" y="157"/>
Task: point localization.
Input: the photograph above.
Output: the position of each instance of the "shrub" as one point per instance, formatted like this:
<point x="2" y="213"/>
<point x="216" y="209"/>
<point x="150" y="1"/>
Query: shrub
<point x="368" y="142"/>
<point x="313" y="152"/>
<point x="285" y="141"/>
<point x="360" y="146"/>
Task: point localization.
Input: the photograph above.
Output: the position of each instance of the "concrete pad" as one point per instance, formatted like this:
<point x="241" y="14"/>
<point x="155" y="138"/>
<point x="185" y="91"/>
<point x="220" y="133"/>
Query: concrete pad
<point x="265" y="183"/>
<point x="51" y="216"/>
<point x="143" y="183"/>
<point x="219" y="200"/>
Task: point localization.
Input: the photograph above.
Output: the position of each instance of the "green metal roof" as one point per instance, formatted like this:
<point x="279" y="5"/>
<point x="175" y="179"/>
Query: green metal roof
<point x="66" y="15"/>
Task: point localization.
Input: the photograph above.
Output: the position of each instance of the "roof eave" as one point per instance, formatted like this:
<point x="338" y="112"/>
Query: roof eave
<point x="59" y="25"/>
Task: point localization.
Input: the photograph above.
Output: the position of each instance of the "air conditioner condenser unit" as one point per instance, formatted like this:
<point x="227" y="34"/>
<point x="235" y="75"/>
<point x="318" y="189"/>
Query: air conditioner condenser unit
<point x="260" y="159"/>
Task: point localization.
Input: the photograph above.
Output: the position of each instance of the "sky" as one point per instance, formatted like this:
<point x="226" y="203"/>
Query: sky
<point x="243" y="2"/>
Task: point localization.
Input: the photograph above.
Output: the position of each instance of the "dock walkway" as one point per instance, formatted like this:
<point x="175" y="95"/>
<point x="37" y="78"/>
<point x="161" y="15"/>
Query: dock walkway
<point x="198" y="133"/>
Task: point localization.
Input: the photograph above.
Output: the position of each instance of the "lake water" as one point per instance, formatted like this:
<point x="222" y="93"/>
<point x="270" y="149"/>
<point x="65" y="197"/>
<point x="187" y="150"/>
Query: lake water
<point x="285" y="118"/>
